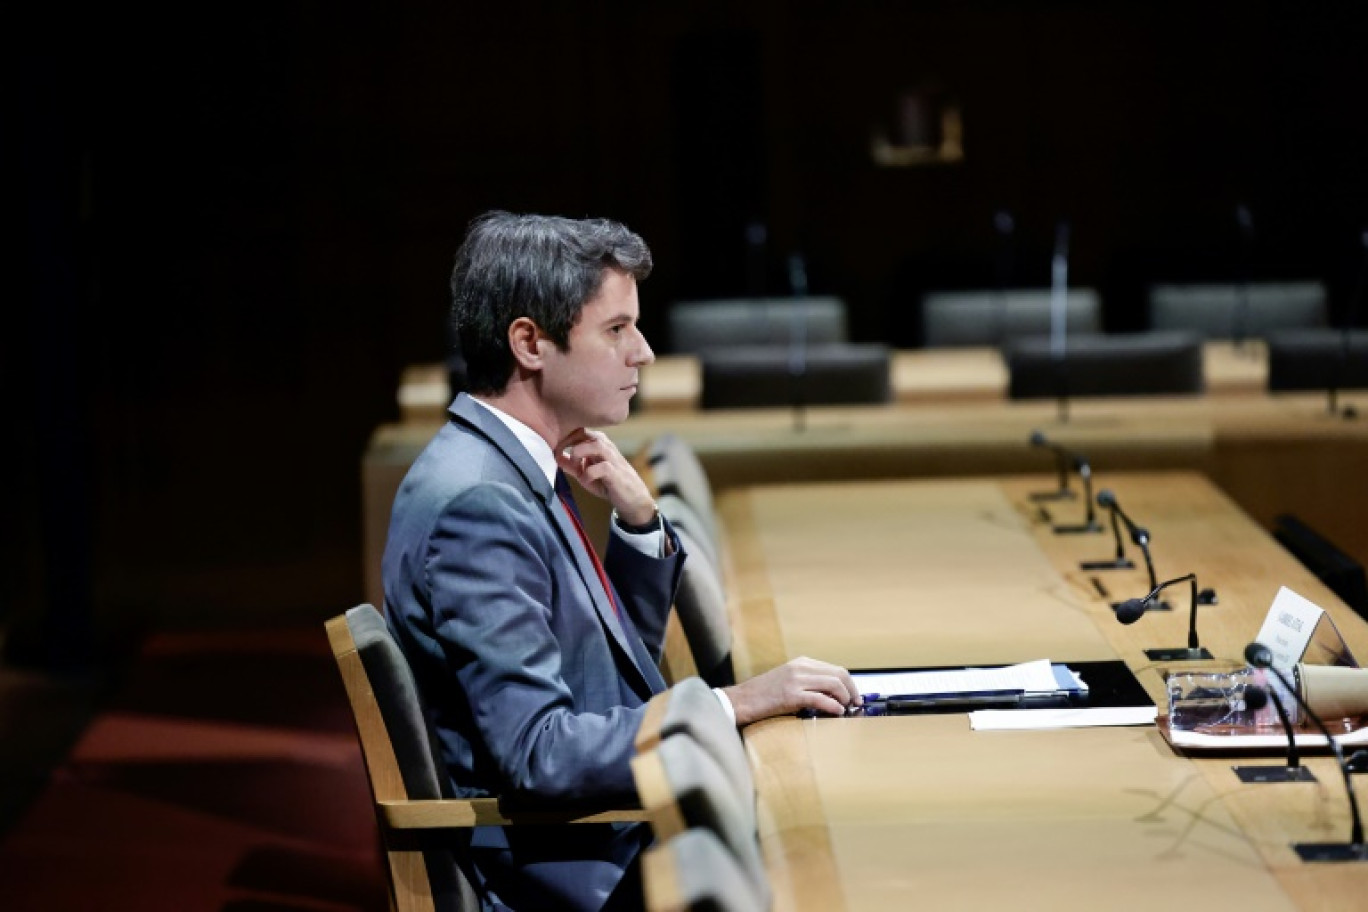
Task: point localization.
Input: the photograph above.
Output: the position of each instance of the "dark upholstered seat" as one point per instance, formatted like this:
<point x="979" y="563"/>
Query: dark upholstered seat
<point x="702" y="326"/>
<point x="683" y="787"/>
<point x="1231" y="311"/>
<point x="1133" y="364"/>
<point x="990" y="317"/>
<point x="764" y="376"/>
<point x="694" y="872"/>
<point x="1315" y="359"/>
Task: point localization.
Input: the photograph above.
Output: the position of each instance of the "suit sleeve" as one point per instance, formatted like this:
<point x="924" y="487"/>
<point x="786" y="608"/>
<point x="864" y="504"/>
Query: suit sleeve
<point x="492" y="587"/>
<point x="646" y="585"/>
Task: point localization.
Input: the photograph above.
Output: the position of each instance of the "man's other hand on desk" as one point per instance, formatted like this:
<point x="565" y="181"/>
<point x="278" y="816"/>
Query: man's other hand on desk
<point x="800" y="684"/>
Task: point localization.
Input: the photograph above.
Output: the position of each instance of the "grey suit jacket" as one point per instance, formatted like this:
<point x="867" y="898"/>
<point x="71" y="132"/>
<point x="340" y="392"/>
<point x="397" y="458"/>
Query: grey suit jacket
<point x="534" y="685"/>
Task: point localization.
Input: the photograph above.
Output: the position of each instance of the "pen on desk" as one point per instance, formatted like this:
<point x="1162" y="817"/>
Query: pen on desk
<point x="971" y="699"/>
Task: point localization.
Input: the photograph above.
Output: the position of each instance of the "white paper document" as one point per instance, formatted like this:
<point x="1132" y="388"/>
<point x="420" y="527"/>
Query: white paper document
<point x="1030" y="677"/>
<point x="1021" y="719"/>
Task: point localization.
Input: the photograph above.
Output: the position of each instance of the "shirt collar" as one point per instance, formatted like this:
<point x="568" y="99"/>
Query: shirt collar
<point x="534" y="443"/>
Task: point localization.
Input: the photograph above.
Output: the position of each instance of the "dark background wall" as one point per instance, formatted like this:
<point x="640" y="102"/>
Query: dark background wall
<point x="236" y="224"/>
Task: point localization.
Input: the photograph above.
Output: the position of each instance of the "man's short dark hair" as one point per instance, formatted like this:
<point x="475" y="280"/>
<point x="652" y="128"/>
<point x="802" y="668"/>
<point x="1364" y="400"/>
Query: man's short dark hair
<point x="537" y="266"/>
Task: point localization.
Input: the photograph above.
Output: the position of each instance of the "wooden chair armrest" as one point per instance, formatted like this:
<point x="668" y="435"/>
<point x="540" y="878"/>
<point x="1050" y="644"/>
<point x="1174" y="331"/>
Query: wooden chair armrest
<point x="471" y="812"/>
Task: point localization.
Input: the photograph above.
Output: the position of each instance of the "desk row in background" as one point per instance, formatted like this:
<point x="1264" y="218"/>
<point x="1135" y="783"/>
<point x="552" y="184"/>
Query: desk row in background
<point x="674" y="383"/>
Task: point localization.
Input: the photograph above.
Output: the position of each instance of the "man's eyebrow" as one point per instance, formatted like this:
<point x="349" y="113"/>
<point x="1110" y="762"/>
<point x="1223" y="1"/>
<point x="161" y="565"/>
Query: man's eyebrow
<point x="623" y="317"/>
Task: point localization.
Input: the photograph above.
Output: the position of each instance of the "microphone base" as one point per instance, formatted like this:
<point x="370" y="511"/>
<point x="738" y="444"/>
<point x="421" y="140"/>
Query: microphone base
<point x="1251" y="775"/>
<point x="1331" y="851"/>
<point x="1060" y="494"/>
<point x="1153" y="606"/>
<point x="1124" y="563"/>
<point x="1078" y="529"/>
<point x="1178" y="655"/>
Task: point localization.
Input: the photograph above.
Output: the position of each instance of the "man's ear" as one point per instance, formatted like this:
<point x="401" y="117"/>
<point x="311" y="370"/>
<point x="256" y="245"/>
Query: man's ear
<point x="526" y="339"/>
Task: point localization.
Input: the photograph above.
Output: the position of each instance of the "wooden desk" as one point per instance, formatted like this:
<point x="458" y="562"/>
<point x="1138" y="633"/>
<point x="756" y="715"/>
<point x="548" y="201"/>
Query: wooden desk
<point x="903" y="812"/>
<point x="1272" y="454"/>
<point x="674" y="383"/>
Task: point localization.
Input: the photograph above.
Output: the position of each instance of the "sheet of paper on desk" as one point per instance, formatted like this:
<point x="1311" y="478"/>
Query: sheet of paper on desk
<point x="1032" y="677"/>
<point x="1022" y="719"/>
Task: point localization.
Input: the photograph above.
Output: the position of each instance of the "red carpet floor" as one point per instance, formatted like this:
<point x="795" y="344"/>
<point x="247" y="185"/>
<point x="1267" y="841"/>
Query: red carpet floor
<point x="223" y="775"/>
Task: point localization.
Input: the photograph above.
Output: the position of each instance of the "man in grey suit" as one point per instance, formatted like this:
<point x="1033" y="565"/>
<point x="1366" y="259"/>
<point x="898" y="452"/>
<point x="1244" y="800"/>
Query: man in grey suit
<point x="536" y="659"/>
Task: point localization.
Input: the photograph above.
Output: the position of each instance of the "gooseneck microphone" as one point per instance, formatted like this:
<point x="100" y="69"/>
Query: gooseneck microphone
<point x="1239" y="314"/>
<point x="1080" y="463"/>
<point x="798" y="340"/>
<point x="1062" y="462"/>
<point x="1256" y="698"/>
<point x="1107" y="500"/>
<point x="1059" y="315"/>
<point x="1129" y="611"/>
<point x="1139" y="536"/>
<point x="1260" y="656"/>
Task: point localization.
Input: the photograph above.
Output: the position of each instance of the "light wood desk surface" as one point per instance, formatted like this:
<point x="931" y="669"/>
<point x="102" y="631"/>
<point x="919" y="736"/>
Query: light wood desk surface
<point x="920" y="811"/>
<point x="1273" y="454"/>
<point x="674" y="383"/>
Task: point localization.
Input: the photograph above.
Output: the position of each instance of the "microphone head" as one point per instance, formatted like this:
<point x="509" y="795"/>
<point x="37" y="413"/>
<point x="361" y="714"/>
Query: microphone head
<point x="1259" y="655"/>
<point x="1255" y="698"/>
<point x="1037" y="439"/>
<point x="1129" y="611"/>
<point x="1106" y="499"/>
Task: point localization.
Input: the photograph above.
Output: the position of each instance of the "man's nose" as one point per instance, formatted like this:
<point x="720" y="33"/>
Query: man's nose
<point x="643" y="354"/>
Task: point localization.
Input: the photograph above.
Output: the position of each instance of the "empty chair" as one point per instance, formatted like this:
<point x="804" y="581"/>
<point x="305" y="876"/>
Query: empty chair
<point x="676" y="469"/>
<point x="1343" y="575"/>
<point x="700" y="326"/>
<point x="426" y="835"/>
<point x="990" y="317"/>
<point x="682" y="786"/>
<point x="1317" y="359"/>
<point x="691" y="708"/>
<point x="694" y="872"/>
<point x="1234" y="311"/>
<point x="1133" y="364"/>
<point x="685" y="518"/>
<point x="766" y="376"/>
<point x="701" y="606"/>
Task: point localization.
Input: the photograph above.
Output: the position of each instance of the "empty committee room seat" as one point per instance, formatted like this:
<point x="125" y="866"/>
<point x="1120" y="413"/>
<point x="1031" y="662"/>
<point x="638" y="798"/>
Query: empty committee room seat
<point x="995" y="317"/>
<point x="773" y="376"/>
<point x="1133" y="364"/>
<point x="701" y="326"/>
<point x="1234" y="311"/>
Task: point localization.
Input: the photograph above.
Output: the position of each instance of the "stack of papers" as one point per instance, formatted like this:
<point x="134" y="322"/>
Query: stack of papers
<point x="1058" y="691"/>
<point x="1039" y="677"/>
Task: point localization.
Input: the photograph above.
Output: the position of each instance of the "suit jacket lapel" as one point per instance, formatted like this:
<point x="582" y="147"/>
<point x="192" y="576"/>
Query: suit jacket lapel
<point x="470" y="413"/>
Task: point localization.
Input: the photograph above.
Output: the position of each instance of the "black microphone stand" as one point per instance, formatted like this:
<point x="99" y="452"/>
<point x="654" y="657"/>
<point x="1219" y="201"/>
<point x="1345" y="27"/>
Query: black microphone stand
<point x="1063" y="492"/>
<point x="1089" y="523"/>
<point x="1255" y="699"/>
<point x="1239" y="314"/>
<point x="1059" y="315"/>
<point x="1129" y="611"/>
<point x="1120" y="561"/>
<point x="1260" y="656"/>
<point x="1141" y="538"/>
<point x="1006" y="227"/>
<point x="797" y="364"/>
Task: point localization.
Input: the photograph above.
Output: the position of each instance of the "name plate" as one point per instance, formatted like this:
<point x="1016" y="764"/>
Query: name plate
<point x="1288" y="628"/>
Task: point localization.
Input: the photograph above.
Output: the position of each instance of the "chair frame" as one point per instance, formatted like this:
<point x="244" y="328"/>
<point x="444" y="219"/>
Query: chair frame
<point x="407" y="826"/>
